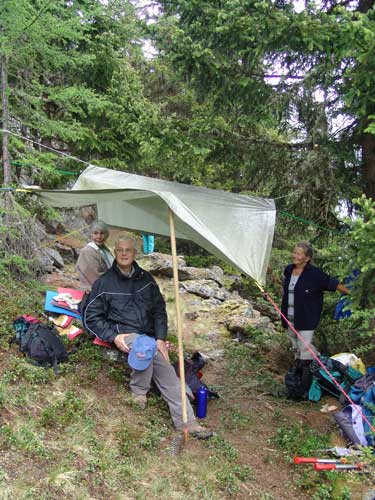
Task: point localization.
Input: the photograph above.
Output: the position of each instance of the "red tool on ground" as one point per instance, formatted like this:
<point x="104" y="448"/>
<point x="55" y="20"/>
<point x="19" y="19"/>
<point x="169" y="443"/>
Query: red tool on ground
<point x="325" y="467"/>
<point x="312" y="460"/>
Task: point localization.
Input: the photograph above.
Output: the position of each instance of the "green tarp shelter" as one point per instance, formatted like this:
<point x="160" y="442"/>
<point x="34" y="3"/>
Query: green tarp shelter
<point x="236" y="228"/>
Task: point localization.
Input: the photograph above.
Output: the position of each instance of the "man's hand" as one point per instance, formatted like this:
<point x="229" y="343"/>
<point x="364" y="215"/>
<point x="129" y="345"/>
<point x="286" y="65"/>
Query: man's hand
<point x="162" y="348"/>
<point x="120" y="342"/>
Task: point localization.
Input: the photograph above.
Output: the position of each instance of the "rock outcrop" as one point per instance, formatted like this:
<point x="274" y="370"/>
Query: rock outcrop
<point x="239" y="316"/>
<point x="161" y="264"/>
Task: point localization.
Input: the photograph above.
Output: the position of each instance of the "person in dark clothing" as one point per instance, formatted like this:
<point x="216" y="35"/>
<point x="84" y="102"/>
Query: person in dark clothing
<point x="302" y="304"/>
<point x="124" y="305"/>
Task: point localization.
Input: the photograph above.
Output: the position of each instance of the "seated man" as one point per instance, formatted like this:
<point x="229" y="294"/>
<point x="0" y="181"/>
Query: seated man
<point x="124" y="304"/>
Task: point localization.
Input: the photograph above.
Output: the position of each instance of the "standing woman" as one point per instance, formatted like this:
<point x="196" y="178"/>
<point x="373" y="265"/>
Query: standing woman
<point x="302" y="304"/>
<point x="95" y="258"/>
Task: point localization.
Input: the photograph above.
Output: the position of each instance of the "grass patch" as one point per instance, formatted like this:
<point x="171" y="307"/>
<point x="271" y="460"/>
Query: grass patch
<point x="79" y="435"/>
<point x="62" y="412"/>
<point x="248" y="371"/>
<point x="236" y="418"/>
<point x="299" y="440"/>
<point x="24" y="437"/>
<point x="229" y="473"/>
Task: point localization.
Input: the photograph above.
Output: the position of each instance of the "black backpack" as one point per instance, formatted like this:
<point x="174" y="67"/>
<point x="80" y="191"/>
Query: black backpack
<point x="192" y="367"/>
<point x="293" y="382"/>
<point x="40" y="342"/>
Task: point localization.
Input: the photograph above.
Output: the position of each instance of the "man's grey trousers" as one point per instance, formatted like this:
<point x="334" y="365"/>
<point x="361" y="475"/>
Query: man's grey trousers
<point x="166" y="381"/>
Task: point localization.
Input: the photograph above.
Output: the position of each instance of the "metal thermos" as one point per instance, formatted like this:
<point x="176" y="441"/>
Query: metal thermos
<point x="202" y="397"/>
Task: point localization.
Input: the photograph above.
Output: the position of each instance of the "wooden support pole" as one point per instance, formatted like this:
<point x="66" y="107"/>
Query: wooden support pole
<point x="178" y="318"/>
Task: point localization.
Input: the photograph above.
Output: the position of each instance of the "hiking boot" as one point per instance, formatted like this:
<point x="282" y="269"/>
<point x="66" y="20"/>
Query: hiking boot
<point x="199" y="432"/>
<point x="140" y="400"/>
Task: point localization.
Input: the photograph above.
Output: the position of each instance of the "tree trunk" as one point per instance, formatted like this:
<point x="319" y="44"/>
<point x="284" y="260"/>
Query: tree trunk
<point x="365" y="5"/>
<point x="367" y="141"/>
<point x="7" y="178"/>
<point x="368" y="164"/>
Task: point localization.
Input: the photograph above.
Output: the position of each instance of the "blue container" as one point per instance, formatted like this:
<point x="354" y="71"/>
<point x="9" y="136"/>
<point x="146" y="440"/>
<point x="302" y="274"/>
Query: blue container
<point x="370" y="370"/>
<point x="148" y="243"/>
<point x="202" y="397"/>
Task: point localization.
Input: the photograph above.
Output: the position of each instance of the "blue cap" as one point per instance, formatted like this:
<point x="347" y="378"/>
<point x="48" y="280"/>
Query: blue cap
<point x="143" y="350"/>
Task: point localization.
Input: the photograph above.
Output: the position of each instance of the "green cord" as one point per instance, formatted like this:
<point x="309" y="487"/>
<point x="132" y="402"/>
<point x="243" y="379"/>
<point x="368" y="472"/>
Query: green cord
<point x="308" y="222"/>
<point x="22" y="164"/>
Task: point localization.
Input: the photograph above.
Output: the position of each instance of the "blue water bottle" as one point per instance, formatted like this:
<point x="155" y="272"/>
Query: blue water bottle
<point x="202" y="397"/>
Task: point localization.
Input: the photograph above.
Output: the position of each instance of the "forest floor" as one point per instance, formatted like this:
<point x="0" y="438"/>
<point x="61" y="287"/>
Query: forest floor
<point x="79" y="436"/>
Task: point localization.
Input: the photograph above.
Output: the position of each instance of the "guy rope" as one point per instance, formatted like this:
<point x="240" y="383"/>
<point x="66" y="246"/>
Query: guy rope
<point x="358" y="408"/>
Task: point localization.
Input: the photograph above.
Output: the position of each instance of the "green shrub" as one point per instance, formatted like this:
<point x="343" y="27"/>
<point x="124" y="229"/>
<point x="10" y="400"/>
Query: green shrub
<point x="299" y="440"/>
<point x="24" y="438"/>
<point x="20" y="369"/>
<point x="63" y="412"/>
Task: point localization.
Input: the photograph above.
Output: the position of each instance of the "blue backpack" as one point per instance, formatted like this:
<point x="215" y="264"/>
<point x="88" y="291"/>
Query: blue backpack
<point x="362" y="393"/>
<point x="345" y="376"/>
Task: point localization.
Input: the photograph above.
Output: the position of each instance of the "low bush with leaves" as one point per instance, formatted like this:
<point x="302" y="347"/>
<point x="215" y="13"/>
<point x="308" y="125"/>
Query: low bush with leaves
<point x="350" y="251"/>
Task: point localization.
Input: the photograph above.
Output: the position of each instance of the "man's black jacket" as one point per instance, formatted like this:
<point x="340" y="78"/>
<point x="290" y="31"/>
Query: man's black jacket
<point x="118" y="304"/>
<point x="308" y="296"/>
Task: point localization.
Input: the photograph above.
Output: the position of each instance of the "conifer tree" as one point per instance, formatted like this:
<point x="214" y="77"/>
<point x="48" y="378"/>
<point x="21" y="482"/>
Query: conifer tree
<point x="73" y="83"/>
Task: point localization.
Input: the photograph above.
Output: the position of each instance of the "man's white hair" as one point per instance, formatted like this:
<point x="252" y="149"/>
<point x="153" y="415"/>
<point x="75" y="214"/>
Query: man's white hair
<point x="126" y="237"/>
